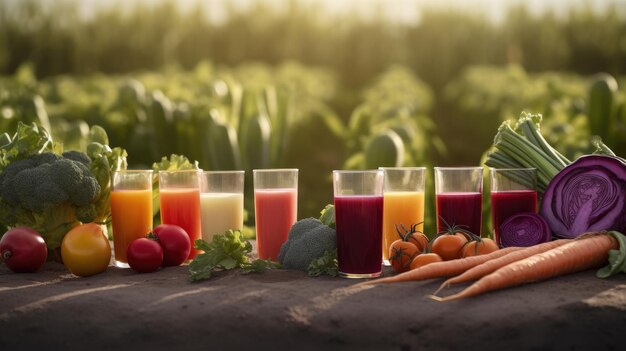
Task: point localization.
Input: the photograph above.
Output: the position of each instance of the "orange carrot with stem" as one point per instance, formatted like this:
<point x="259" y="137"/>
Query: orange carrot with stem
<point x="589" y="251"/>
<point x="491" y="266"/>
<point x="442" y="269"/>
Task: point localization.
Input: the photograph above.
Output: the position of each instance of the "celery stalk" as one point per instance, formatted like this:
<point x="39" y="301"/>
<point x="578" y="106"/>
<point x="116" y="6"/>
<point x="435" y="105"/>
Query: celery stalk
<point x="528" y="124"/>
<point x="515" y="149"/>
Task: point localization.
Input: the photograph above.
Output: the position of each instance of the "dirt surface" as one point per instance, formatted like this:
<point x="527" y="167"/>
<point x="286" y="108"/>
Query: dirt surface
<point x="287" y="309"/>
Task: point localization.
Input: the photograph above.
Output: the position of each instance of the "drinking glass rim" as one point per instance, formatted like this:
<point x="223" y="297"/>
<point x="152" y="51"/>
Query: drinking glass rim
<point x="222" y="172"/>
<point x="491" y="169"/>
<point x="404" y="168"/>
<point x="270" y="170"/>
<point x="458" y="168"/>
<point x="181" y="171"/>
<point x="357" y="171"/>
<point x="134" y="171"/>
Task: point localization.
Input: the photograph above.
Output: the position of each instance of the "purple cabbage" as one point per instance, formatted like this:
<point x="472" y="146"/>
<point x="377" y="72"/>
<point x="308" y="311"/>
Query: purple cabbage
<point x="588" y="195"/>
<point x="523" y="230"/>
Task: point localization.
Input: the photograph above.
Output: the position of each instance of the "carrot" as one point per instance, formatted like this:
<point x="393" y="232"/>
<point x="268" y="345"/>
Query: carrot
<point x="492" y="265"/>
<point x="584" y="253"/>
<point x="442" y="269"/>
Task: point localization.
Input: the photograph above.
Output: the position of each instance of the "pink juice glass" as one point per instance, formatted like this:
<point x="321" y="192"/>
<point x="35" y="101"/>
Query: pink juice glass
<point x="359" y="220"/>
<point x="275" y="208"/>
<point x="513" y="191"/>
<point x="459" y="198"/>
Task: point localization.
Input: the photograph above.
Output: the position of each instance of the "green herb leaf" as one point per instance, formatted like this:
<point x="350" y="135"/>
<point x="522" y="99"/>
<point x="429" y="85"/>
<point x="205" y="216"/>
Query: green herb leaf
<point x="327" y="264"/>
<point x="259" y="265"/>
<point x="328" y="216"/>
<point x="225" y="252"/>
<point x="617" y="258"/>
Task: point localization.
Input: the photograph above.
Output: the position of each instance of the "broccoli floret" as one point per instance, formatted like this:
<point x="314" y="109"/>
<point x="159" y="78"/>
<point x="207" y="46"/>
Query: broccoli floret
<point x="308" y="240"/>
<point x="87" y="213"/>
<point x="45" y="158"/>
<point x="78" y="156"/>
<point x="36" y="189"/>
<point x="7" y="180"/>
<point x="76" y="180"/>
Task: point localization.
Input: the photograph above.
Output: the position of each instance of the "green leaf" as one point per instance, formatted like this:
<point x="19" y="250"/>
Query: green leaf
<point x="259" y="265"/>
<point x="617" y="258"/>
<point x="28" y="140"/>
<point x="99" y="135"/>
<point x="325" y="265"/>
<point x="327" y="216"/>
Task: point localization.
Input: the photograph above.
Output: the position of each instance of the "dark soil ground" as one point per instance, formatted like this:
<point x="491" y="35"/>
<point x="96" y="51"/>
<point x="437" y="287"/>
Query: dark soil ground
<point x="118" y="309"/>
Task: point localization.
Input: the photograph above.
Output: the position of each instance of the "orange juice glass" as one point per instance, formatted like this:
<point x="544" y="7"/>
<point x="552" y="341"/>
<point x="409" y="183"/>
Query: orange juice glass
<point x="179" y="198"/>
<point x="131" y="210"/>
<point x="403" y="194"/>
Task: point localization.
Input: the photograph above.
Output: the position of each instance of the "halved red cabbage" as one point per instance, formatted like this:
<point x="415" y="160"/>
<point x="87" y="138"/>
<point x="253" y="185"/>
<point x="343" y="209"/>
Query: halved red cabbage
<point x="523" y="230"/>
<point x="588" y="195"/>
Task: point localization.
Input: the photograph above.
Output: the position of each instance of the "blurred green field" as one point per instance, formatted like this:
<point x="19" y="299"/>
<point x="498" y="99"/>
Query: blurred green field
<point x="291" y="89"/>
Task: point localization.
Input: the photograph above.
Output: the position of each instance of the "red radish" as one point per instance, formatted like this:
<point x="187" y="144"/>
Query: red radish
<point x="23" y="250"/>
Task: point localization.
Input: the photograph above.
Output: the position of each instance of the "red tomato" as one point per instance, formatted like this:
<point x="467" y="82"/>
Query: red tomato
<point x="23" y="250"/>
<point x="175" y="243"/>
<point x="144" y="255"/>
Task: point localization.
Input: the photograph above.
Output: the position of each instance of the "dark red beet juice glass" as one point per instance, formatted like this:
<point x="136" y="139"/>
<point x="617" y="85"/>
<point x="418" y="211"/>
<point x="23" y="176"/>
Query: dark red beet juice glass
<point x="359" y="219"/>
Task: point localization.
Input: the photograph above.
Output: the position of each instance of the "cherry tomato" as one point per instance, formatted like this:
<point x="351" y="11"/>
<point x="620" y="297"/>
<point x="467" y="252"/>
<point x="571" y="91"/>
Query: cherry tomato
<point x="23" y="250"/>
<point x="449" y="246"/>
<point x="401" y="254"/>
<point x="175" y="243"/>
<point x="475" y="248"/>
<point x="419" y="239"/>
<point x="144" y="255"/>
<point x="86" y="250"/>
<point x="424" y="259"/>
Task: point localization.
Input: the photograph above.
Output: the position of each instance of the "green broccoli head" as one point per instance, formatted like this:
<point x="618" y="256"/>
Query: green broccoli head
<point x="46" y="180"/>
<point x="308" y="240"/>
<point x="296" y="231"/>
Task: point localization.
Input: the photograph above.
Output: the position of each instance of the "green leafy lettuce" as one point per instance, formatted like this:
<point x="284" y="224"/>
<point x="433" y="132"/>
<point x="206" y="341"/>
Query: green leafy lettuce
<point x="225" y="252"/>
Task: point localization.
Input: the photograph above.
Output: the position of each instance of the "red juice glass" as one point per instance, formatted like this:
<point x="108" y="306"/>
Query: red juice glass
<point x="459" y="198"/>
<point x="275" y="208"/>
<point x="179" y="198"/>
<point x="513" y="191"/>
<point x="359" y="221"/>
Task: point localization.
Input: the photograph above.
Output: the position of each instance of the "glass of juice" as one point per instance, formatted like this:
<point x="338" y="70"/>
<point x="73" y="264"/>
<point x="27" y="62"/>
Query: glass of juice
<point x="513" y="191"/>
<point x="459" y="196"/>
<point x="131" y="210"/>
<point x="179" y="196"/>
<point x="359" y="221"/>
<point x="403" y="193"/>
<point x="275" y="208"/>
<point x="221" y="202"/>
